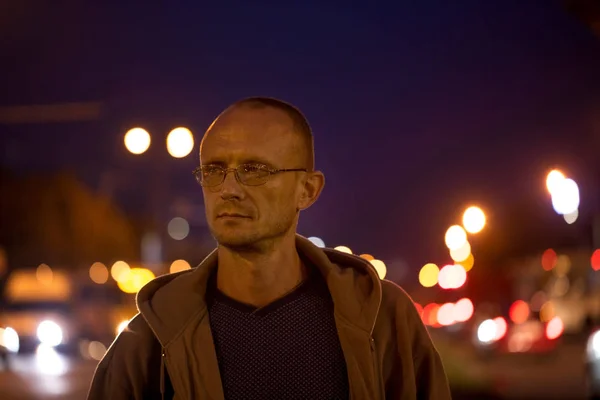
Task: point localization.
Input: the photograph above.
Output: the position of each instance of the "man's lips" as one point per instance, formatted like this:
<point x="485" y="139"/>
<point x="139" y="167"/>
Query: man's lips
<point x="232" y="215"/>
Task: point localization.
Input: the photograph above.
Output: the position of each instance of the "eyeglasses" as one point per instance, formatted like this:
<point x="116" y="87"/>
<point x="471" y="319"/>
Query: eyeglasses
<point x="246" y="174"/>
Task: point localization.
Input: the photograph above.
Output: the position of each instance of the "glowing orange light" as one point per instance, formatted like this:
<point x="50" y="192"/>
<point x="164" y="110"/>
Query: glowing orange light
<point x="549" y="259"/>
<point x="519" y="312"/>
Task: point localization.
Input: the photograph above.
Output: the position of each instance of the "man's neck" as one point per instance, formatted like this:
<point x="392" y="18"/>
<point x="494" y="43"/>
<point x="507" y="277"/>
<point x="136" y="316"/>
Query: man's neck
<point x="260" y="278"/>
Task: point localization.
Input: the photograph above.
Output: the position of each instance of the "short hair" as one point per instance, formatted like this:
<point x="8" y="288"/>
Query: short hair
<point x="301" y="125"/>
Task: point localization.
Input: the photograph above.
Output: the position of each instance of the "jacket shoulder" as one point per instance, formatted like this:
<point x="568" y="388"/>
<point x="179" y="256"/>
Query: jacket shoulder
<point x="130" y="369"/>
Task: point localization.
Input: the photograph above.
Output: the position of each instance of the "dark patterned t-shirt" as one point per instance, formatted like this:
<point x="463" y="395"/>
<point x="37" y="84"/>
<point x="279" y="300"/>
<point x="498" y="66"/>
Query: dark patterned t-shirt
<point x="288" y="349"/>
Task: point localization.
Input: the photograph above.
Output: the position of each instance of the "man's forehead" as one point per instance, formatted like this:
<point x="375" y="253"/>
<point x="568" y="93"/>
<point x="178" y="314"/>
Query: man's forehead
<point x="262" y="132"/>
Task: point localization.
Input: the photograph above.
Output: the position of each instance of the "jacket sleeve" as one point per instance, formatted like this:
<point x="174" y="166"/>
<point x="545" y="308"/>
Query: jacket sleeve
<point x="130" y="369"/>
<point x="412" y="368"/>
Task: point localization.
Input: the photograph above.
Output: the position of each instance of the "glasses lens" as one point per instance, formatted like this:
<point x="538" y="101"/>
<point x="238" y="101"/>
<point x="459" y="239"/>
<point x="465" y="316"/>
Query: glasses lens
<point x="210" y="176"/>
<point x="253" y="175"/>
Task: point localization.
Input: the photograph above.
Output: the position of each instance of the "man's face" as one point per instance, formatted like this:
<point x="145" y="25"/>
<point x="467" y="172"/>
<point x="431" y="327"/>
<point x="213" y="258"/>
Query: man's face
<point x="241" y="216"/>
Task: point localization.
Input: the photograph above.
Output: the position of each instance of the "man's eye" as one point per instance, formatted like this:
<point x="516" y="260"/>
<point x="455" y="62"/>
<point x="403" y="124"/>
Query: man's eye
<point x="211" y="171"/>
<point x="253" y="168"/>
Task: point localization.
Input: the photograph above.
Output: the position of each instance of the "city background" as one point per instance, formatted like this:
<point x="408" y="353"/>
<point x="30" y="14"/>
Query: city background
<point x="460" y="145"/>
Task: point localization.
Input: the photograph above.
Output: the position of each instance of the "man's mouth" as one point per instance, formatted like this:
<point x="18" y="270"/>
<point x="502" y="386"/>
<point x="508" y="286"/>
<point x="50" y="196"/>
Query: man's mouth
<point x="232" y="215"/>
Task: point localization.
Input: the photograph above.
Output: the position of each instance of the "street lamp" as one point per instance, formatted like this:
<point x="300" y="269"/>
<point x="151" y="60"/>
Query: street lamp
<point x="180" y="142"/>
<point x="137" y="140"/>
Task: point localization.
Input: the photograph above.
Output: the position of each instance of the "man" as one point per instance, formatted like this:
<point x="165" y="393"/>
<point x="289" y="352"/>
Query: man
<point x="268" y="315"/>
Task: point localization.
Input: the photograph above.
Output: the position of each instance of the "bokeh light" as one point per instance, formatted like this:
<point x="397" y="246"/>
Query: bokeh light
<point x="595" y="260"/>
<point x="178" y="228"/>
<point x="463" y="310"/>
<point x="571" y="218"/>
<point x="549" y="259"/>
<point x="317" y="241"/>
<point x="519" y="312"/>
<point x="474" y="219"/>
<point x="132" y="280"/>
<point x="99" y="273"/>
<point x="179" y="265"/>
<point x="380" y="267"/>
<point x="343" y="249"/>
<point x="547" y="312"/>
<point x="553" y="180"/>
<point x="501" y="327"/>
<point x="486" y="332"/>
<point x="445" y="314"/>
<point x="119" y="270"/>
<point x="367" y="257"/>
<point x="180" y="142"/>
<point x="452" y="277"/>
<point x="565" y="200"/>
<point x="462" y="253"/>
<point x="468" y="263"/>
<point x="563" y="265"/>
<point x="428" y="275"/>
<point x="430" y="314"/>
<point x="455" y="237"/>
<point x="555" y="328"/>
<point x="137" y="140"/>
<point x="44" y="274"/>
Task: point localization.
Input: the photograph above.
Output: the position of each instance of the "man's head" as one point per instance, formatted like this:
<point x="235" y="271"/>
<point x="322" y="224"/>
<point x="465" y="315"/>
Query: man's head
<point x="259" y="203"/>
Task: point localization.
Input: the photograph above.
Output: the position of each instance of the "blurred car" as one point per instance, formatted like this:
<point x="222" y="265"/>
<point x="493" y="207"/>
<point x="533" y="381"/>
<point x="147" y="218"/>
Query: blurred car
<point x="9" y="344"/>
<point x="497" y="336"/>
<point x="39" y="310"/>
<point x="592" y="365"/>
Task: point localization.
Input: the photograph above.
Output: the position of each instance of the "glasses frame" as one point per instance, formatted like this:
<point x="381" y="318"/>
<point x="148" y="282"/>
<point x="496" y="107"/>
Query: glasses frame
<point x="197" y="172"/>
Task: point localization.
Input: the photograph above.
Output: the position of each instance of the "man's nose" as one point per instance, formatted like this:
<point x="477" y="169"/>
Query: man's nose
<point x="231" y="187"/>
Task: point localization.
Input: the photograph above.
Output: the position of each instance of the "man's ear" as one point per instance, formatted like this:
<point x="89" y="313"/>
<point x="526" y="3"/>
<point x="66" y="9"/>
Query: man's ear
<point x="313" y="186"/>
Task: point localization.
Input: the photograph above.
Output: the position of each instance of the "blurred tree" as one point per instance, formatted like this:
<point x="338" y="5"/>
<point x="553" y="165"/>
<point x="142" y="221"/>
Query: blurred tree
<point x="54" y="219"/>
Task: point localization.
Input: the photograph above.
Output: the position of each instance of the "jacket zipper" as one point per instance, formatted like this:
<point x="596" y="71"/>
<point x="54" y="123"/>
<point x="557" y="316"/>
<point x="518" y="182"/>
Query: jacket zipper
<point x="162" y="374"/>
<point x="378" y="385"/>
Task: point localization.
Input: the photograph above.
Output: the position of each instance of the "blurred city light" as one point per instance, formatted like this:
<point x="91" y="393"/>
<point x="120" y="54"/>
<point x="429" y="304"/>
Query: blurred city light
<point x="180" y="142"/>
<point x="49" y="362"/>
<point x="468" y="263"/>
<point x="549" y="259"/>
<point x="134" y="279"/>
<point x="430" y="314"/>
<point x="553" y="180"/>
<point x="445" y="314"/>
<point x="547" y="312"/>
<point x="317" y="241"/>
<point x="452" y="276"/>
<point x="571" y="218"/>
<point x="179" y="265"/>
<point x="428" y="276"/>
<point x="501" y="327"/>
<point x="49" y="333"/>
<point x="519" y="312"/>
<point x="343" y="249"/>
<point x="367" y="257"/>
<point x="99" y="273"/>
<point x="137" y="140"/>
<point x="595" y="260"/>
<point x="474" y="219"/>
<point x="178" y="228"/>
<point x="462" y="253"/>
<point x="565" y="198"/>
<point x="44" y="274"/>
<point x="555" y="328"/>
<point x="486" y="332"/>
<point x="455" y="237"/>
<point x="538" y="300"/>
<point x="9" y="339"/>
<point x="119" y="271"/>
<point x="563" y="265"/>
<point x="96" y="350"/>
<point x="463" y="310"/>
<point x="379" y="267"/>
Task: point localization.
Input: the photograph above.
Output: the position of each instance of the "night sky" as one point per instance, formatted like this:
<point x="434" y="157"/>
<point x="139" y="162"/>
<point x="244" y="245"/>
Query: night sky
<point x="418" y="109"/>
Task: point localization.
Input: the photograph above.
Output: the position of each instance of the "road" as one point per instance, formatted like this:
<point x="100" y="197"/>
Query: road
<point x="44" y="376"/>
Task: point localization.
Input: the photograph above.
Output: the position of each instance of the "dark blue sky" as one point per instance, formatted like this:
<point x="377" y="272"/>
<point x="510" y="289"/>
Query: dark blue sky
<point x="418" y="109"/>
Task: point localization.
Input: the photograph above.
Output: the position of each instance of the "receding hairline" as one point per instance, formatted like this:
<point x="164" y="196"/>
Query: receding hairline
<point x="299" y="121"/>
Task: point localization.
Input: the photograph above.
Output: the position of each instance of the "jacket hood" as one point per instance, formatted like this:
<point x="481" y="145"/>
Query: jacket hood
<point x="169" y="302"/>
